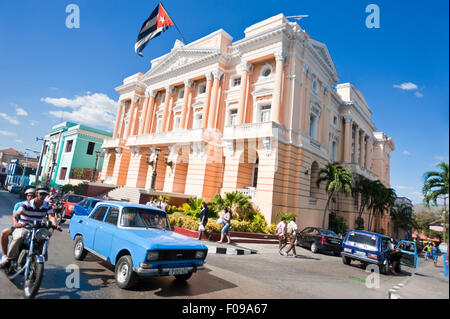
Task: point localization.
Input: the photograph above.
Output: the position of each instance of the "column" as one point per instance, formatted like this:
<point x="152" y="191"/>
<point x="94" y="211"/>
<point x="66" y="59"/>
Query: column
<point x="151" y="107"/>
<point x="136" y="119"/>
<point x="214" y="98"/>
<point x="119" y="115"/>
<point x="362" y="161"/>
<point x="132" y="110"/>
<point x="369" y="154"/>
<point x="145" y="110"/>
<point x="207" y="98"/>
<point x="245" y="67"/>
<point x="165" y="120"/>
<point x="347" y="139"/>
<point x="276" y="104"/>
<point x="188" y="85"/>
<point x="356" y="158"/>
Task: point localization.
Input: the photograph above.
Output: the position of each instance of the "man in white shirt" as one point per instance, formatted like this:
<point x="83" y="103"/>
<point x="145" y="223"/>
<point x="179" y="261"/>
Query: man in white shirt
<point x="291" y="236"/>
<point x="281" y="232"/>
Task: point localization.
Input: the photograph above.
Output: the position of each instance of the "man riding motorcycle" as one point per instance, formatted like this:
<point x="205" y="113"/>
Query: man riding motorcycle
<point x="35" y="210"/>
<point x="29" y="194"/>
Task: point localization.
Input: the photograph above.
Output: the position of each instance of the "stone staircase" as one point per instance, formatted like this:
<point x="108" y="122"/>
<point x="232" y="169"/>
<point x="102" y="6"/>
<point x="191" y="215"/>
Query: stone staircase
<point x="125" y="194"/>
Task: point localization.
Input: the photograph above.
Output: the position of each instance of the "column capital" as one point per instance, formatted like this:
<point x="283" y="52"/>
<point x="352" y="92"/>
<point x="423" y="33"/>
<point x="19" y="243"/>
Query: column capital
<point x="357" y="128"/>
<point x="217" y="74"/>
<point x="189" y="83"/>
<point x="280" y="55"/>
<point x="170" y="89"/>
<point x="150" y="93"/>
<point x="209" y="76"/>
<point x="246" y="66"/>
<point x="348" y="119"/>
<point x="134" y="98"/>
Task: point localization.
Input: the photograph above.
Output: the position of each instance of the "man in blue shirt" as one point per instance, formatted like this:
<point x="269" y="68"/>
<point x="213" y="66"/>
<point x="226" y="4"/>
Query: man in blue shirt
<point x="29" y="193"/>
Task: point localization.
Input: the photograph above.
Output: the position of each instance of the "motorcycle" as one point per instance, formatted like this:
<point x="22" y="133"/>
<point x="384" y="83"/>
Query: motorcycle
<point x="58" y="208"/>
<point x="32" y="255"/>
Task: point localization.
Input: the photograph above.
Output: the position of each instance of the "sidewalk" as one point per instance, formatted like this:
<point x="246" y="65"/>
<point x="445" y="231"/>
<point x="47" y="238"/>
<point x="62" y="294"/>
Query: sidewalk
<point x="427" y="282"/>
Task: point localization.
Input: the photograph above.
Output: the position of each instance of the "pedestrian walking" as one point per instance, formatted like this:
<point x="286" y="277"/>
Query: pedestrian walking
<point x="203" y="222"/>
<point x="291" y="233"/>
<point x="281" y="232"/>
<point x="435" y="253"/>
<point x="225" y="230"/>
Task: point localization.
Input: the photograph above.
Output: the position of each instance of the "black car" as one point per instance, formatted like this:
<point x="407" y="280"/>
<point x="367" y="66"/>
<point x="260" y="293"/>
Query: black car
<point x="318" y="239"/>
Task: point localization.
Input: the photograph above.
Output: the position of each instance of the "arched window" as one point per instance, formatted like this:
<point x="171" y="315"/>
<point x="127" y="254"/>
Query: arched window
<point x="313" y="188"/>
<point x="266" y="72"/>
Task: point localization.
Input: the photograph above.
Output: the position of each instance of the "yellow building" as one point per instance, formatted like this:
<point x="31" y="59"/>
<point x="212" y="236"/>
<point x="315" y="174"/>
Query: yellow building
<point x="260" y="115"/>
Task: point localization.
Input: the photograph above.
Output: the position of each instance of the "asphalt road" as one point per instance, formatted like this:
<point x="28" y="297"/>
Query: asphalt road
<point x="265" y="275"/>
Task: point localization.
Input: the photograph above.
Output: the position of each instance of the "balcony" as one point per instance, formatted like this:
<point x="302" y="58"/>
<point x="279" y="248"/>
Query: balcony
<point x="251" y="130"/>
<point x="248" y="191"/>
<point x="176" y="136"/>
<point x="355" y="168"/>
<point x="112" y="143"/>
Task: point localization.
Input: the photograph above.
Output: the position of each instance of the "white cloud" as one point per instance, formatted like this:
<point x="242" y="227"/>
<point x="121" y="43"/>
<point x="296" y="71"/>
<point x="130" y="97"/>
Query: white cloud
<point x="407" y="86"/>
<point x="7" y="133"/>
<point x="10" y="119"/>
<point x="400" y="187"/>
<point x="406" y="153"/>
<point x="32" y="122"/>
<point x="19" y="141"/>
<point x="95" y="109"/>
<point x="418" y="94"/>
<point x="21" y="112"/>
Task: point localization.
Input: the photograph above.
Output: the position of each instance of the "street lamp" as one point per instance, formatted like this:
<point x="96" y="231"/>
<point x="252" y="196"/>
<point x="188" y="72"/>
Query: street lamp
<point x="98" y="153"/>
<point x="154" y="164"/>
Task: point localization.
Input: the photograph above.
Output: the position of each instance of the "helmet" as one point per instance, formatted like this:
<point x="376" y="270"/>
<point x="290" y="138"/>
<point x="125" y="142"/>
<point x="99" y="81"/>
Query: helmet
<point x="52" y="189"/>
<point x="58" y="191"/>
<point x="30" y="190"/>
<point x="42" y="190"/>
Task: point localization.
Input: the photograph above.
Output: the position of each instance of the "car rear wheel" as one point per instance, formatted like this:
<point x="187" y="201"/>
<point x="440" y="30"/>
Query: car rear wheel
<point x="124" y="274"/>
<point x="314" y="248"/>
<point x="183" y="277"/>
<point x="346" y="260"/>
<point x="79" y="253"/>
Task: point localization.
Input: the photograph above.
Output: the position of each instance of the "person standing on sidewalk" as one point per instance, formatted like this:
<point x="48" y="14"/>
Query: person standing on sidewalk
<point x="281" y="232"/>
<point x="203" y="222"/>
<point x="435" y="253"/>
<point x="291" y="234"/>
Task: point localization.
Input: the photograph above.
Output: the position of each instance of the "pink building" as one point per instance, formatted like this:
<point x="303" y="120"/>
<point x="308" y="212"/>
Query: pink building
<point x="259" y="115"/>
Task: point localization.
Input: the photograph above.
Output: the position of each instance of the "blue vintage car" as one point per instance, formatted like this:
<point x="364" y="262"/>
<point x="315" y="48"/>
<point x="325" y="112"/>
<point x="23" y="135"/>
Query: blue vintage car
<point x="137" y="240"/>
<point x="373" y="248"/>
<point x="86" y="206"/>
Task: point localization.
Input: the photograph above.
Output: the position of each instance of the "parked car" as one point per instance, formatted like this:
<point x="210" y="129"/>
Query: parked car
<point x="137" y="240"/>
<point x="319" y="239"/>
<point x="70" y="202"/>
<point x="373" y="248"/>
<point x="86" y="206"/>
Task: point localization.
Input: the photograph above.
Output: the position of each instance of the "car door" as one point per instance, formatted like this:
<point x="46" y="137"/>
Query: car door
<point x="91" y="224"/>
<point x="105" y="232"/>
<point x="409" y="253"/>
<point x="302" y="234"/>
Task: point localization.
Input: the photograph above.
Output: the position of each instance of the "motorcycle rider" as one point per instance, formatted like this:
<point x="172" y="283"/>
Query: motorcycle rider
<point x="35" y="210"/>
<point x="29" y="193"/>
<point x="52" y="196"/>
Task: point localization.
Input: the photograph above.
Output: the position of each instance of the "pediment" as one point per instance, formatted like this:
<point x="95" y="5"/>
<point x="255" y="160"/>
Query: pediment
<point x="322" y="51"/>
<point x="178" y="58"/>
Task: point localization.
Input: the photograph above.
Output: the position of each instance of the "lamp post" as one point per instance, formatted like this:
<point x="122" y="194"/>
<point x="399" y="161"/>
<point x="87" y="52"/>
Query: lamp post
<point x="98" y="153"/>
<point x="154" y="164"/>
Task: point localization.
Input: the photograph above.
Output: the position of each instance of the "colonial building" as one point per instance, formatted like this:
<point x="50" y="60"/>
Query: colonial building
<point x="70" y="151"/>
<point x="261" y="115"/>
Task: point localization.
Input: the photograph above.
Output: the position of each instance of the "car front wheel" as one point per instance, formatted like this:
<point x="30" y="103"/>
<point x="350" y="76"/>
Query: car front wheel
<point x="314" y="248"/>
<point x="124" y="274"/>
<point x="79" y="253"/>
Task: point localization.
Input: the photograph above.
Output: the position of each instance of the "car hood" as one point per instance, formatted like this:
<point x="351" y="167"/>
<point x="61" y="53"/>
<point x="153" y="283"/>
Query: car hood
<point x="162" y="239"/>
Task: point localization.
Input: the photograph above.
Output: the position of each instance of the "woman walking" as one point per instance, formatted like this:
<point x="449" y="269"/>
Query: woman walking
<point x="435" y="253"/>
<point x="203" y="222"/>
<point x="227" y="220"/>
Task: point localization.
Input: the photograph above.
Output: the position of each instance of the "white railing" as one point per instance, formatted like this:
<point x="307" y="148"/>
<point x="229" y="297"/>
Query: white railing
<point x="249" y="191"/>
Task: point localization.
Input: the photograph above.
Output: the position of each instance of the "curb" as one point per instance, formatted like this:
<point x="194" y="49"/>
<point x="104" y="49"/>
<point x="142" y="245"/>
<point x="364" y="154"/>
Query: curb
<point x="393" y="292"/>
<point x="231" y="251"/>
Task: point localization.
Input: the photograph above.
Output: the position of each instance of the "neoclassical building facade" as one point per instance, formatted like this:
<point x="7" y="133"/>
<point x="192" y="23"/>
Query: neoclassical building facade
<point x="261" y="115"/>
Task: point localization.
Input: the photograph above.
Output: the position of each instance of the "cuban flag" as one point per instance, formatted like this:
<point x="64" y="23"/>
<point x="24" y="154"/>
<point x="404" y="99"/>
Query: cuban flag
<point x="157" y="23"/>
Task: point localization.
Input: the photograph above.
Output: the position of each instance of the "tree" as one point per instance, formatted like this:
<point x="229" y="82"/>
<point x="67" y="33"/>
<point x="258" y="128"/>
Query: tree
<point x="401" y="216"/>
<point x="435" y="185"/>
<point x="383" y="199"/>
<point x="239" y="204"/>
<point x="337" y="179"/>
<point x="365" y="188"/>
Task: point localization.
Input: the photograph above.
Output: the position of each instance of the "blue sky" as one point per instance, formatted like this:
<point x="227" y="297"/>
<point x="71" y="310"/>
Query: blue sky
<point x="401" y="68"/>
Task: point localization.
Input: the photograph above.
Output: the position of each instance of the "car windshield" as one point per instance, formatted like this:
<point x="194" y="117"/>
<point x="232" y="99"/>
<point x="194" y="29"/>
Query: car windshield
<point x="327" y="232"/>
<point x="141" y="217"/>
<point x="94" y="202"/>
<point x="74" y="198"/>
<point x="363" y="239"/>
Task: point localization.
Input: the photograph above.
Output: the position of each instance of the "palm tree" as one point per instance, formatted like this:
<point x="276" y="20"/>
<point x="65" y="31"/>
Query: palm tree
<point x="364" y="187"/>
<point x="401" y="217"/>
<point x="239" y="204"/>
<point x="384" y="198"/>
<point x="336" y="178"/>
<point x="435" y="185"/>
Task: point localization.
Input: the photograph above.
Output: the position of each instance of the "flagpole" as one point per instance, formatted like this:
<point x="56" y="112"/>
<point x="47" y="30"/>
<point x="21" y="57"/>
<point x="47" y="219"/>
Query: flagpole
<point x="182" y="37"/>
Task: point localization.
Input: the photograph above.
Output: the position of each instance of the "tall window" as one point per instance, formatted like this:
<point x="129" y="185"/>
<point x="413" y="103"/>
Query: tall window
<point x="198" y="120"/>
<point x="62" y="174"/>
<point x="158" y="124"/>
<point x="233" y="117"/>
<point x="68" y="146"/>
<point x="181" y="94"/>
<point x="265" y="114"/>
<point x="202" y="88"/>
<point x="177" y="122"/>
<point x="313" y="126"/>
<point x="90" y="148"/>
<point x="334" y="151"/>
